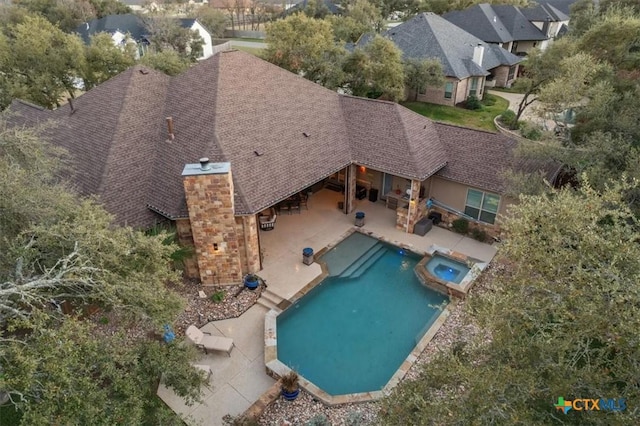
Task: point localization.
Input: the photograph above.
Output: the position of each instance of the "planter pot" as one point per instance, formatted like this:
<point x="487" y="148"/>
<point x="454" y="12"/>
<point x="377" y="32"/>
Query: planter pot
<point x="290" y="396"/>
<point x="251" y="283"/>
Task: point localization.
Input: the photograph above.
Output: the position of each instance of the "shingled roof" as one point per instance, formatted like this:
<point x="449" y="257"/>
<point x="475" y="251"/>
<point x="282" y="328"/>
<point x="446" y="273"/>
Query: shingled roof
<point x="235" y="107"/>
<point x="428" y="35"/>
<point x="495" y="23"/>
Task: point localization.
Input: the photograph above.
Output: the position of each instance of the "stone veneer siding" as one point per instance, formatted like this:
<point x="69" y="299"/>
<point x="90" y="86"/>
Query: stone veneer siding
<point x="185" y="239"/>
<point x="209" y="196"/>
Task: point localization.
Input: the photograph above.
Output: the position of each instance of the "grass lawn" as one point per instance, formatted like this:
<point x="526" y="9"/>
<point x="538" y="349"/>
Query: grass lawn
<point x="253" y="50"/>
<point x="480" y="119"/>
<point x="257" y="40"/>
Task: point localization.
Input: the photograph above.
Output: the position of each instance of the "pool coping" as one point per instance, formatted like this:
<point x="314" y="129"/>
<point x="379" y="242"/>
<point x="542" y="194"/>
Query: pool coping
<point x="276" y="369"/>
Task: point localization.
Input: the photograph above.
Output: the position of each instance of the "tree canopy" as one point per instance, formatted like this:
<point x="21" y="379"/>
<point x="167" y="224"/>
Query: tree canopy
<point x="558" y="318"/>
<point x="58" y="249"/>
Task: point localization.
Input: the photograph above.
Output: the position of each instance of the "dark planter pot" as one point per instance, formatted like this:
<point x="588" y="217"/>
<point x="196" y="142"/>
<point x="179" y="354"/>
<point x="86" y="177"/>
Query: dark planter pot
<point x="290" y="396"/>
<point x="251" y="283"/>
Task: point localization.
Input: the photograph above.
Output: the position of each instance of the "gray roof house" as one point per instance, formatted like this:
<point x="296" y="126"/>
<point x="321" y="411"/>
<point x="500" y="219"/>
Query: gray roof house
<point x="516" y="29"/>
<point x="466" y="60"/>
<point x="135" y="141"/>
<point x="131" y="28"/>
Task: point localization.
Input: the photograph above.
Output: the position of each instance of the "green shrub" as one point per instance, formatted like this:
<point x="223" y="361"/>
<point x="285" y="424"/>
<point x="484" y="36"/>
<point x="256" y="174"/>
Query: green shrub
<point x="489" y="100"/>
<point x="472" y="103"/>
<point x="354" y="418"/>
<point x="508" y="118"/>
<point x="104" y="320"/>
<point x="530" y="131"/>
<point x="218" y="296"/>
<point x="479" y="234"/>
<point x="461" y="226"/>
<point x="319" y="420"/>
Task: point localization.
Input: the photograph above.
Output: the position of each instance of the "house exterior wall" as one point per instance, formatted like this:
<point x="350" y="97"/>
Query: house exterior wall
<point x="207" y="47"/>
<point x="454" y="195"/>
<point x="435" y="95"/>
<point x="216" y="239"/>
<point x="185" y="239"/>
<point x="524" y="46"/>
<point x="501" y="75"/>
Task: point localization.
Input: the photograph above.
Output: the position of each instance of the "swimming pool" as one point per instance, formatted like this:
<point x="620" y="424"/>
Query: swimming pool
<point x="352" y="332"/>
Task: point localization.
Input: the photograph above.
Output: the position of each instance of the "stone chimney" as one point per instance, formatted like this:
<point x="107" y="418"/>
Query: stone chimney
<point x="478" y="54"/>
<point x="208" y="189"/>
<point x="545" y="26"/>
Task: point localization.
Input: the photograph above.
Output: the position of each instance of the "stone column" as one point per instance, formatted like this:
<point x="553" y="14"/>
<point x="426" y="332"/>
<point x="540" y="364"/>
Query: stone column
<point x="413" y="212"/>
<point x="350" y="188"/>
<point x="208" y="189"/>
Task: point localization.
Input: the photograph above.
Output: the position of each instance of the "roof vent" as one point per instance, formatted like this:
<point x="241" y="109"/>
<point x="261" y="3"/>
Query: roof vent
<point x="258" y="153"/>
<point x="204" y="163"/>
<point x="144" y="71"/>
<point x="170" y="128"/>
<point x="306" y="135"/>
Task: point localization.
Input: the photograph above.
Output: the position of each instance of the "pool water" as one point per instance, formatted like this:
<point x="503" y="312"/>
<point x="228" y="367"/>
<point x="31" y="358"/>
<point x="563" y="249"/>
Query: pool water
<point x="447" y="269"/>
<point x="352" y="331"/>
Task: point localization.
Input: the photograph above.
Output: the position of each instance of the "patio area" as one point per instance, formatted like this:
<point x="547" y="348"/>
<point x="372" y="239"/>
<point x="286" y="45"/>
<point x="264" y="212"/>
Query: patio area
<point x="237" y="381"/>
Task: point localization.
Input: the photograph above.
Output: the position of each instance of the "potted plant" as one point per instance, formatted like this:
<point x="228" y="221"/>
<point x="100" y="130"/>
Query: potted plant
<point x="289" y="385"/>
<point x="251" y="281"/>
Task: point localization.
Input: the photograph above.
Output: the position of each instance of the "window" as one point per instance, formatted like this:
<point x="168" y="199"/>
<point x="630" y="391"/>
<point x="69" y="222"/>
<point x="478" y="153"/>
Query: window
<point x="482" y="206"/>
<point x="448" y="90"/>
<point x="473" y="91"/>
<point x="512" y="72"/>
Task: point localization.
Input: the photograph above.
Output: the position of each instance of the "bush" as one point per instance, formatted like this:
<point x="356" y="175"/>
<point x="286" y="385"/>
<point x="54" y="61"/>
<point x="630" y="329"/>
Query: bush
<point x="472" y="103"/>
<point x="218" y="296"/>
<point x="508" y="118"/>
<point x="530" y="131"/>
<point x="479" y="234"/>
<point x="354" y="418"/>
<point x="489" y="100"/>
<point x="461" y="226"/>
<point x="319" y="420"/>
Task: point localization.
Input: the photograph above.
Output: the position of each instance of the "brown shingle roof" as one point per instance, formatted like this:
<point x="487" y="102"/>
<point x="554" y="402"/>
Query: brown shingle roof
<point x="476" y="157"/>
<point x="231" y="106"/>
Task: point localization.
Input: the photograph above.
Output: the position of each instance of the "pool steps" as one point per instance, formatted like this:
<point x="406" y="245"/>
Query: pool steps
<point x="363" y="262"/>
<point x="270" y="300"/>
<point x="366" y="265"/>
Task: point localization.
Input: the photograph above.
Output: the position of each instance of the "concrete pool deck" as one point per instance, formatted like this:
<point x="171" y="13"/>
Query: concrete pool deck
<point x="239" y="380"/>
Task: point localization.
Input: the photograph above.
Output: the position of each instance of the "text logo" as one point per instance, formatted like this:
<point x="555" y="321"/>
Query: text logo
<point x="591" y="404"/>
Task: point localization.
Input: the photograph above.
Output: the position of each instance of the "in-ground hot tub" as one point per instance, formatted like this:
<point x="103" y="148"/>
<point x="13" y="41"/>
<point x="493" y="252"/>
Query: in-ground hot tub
<point x="448" y="272"/>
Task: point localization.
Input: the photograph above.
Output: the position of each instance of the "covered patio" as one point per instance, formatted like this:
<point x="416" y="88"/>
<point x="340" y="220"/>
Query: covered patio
<point x="323" y="224"/>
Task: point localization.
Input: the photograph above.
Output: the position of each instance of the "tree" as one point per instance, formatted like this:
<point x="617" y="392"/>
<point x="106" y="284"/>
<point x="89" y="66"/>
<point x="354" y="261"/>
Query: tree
<point x="44" y="62"/>
<point x="540" y="68"/>
<point x="57" y="248"/>
<point x="105" y="60"/>
<point x="305" y="46"/>
<point x="376" y="70"/>
<point x="165" y="33"/>
<point x="420" y="74"/>
<point x="212" y="19"/>
<point x="168" y="62"/>
<point x="569" y="257"/>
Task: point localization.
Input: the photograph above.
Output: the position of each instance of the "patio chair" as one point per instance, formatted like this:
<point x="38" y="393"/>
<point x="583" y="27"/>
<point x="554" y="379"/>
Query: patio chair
<point x="207" y="341"/>
<point x="268" y="222"/>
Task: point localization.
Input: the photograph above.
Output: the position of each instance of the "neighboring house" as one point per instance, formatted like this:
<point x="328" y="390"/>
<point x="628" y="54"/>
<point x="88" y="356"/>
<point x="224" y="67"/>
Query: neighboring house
<point x="299" y="6"/>
<point x="515" y="29"/>
<point x="136" y="141"/>
<point x="130" y="28"/>
<point x="468" y="63"/>
<point x="563" y="6"/>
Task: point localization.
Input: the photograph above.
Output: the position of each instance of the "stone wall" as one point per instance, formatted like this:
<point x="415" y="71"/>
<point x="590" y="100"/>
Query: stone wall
<point x="185" y="239"/>
<point x="249" y="243"/>
<point x="209" y="196"/>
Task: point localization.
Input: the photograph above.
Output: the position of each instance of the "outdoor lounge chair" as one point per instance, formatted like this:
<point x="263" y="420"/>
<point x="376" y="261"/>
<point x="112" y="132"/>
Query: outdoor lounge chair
<point x="208" y="342"/>
<point x="268" y="222"/>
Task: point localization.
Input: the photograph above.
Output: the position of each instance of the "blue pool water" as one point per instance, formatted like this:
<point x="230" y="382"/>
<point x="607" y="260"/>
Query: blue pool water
<point x="352" y="332"/>
<point x="447" y="269"/>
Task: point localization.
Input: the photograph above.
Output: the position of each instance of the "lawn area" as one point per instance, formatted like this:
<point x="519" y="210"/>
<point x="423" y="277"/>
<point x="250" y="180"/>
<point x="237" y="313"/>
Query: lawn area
<point x="255" y="51"/>
<point x="480" y="119"/>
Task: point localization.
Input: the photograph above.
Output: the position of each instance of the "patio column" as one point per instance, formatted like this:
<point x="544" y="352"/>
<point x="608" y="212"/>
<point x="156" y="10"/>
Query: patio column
<point x="413" y="213"/>
<point x="251" y="243"/>
<point x="350" y="189"/>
